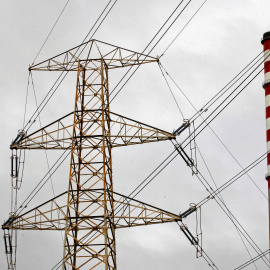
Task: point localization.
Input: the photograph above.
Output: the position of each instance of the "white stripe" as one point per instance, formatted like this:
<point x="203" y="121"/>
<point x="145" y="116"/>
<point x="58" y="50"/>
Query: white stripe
<point x="267" y="76"/>
<point x="267" y="101"/>
<point x="268" y="168"/>
<point x="266" y="55"/>
<point x="267" y="123"/>
<point x="268" y="146"/>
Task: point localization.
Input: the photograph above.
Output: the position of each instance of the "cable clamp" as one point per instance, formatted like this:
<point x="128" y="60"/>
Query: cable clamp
<point x="185" y="125"/>
<point x="189" y="235"/>
<point x="20" y="136"/>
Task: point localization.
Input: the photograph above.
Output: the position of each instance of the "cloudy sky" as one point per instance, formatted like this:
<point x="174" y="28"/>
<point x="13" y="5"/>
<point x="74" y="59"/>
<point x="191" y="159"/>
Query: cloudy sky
<point x="217" y="44"/>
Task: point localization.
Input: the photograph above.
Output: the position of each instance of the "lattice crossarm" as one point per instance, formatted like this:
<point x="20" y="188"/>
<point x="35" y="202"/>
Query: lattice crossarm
<point x="56" y="135"/>
<point x="91" y="54"/>
<point x="50" y="215"/>
<point x="130" y="212"/>
<point x="126" y="131"/>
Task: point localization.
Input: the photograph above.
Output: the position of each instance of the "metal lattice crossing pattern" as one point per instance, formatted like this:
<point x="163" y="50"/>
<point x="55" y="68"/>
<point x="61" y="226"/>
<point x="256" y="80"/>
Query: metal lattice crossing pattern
<point x="93" y="210"/>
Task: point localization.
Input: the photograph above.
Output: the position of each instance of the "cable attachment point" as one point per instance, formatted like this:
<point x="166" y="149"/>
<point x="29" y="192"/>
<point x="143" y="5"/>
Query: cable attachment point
<point x="199" y="250"/>
<point x="191" y="209"/>
<point x="189" y="235"/>
<point x="7" y="242"/>
<point x="10" y="220"/>
<point x="195" y="241"/>
<point x="193" y="147"/>
<point x="16" y="162"/>
<point x="185" y="125"/>
<point x="190" y="162"/>
<point x="14" y="165"/>
<point x="20" y="136"/>
<point x="9" y="249"/>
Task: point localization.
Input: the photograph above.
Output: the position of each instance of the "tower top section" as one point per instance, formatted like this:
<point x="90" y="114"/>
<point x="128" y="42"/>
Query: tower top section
<point x="89" y="55"/>
<point x="266" y="36"/>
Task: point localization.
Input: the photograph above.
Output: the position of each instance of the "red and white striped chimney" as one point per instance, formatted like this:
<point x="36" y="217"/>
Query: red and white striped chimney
<point x="266" y="86"/>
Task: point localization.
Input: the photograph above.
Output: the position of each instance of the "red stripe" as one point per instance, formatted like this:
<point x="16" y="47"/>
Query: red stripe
<point x="268" y="159"/>
<point x="267" y="90"/>
<point x="267" y="109"/>
<point x="268" y="184"/>
<point x="266" y="67"/>
<point x="266" y="45"/>
<point x="268" y="135"/>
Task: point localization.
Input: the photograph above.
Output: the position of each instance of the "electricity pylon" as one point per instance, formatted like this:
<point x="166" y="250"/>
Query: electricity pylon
<point x="93" y="210"/>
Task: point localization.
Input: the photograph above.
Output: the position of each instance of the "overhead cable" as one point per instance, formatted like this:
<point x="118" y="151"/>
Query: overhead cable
<point x="229" y="212"/>
<point x="50" y="31"/>
<point x="231" y="83"/>
<point x="48" y="166"/>
<point x="209" y="188"/>
<point x="172" y="93"/>
<point x="204" y="255"/>
<point x="231" y="216"/>
<point x="43" y="181"/>
<point x="207" y="124"/>
<point x="234" y="178"/>
<point x="183" y="28"/>
<point x="221" y="105"/>
<point x="26" y="99"/>
<point x="252" y="260"/>
<point x="64" y="73"/>
<point x="148" y="53"/>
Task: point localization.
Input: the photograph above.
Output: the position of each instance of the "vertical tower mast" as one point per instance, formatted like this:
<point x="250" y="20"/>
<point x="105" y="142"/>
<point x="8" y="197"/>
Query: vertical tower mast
<point x="90" y="169"/>
<point x="266" y="85"/>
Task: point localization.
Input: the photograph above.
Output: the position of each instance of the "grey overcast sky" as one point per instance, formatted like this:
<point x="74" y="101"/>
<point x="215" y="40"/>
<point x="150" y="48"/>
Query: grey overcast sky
<point x="221" y="40"/>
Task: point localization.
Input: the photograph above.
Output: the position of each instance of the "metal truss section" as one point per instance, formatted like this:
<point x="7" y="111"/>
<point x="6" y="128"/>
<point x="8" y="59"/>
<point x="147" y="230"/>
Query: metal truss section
<point x="128" y="212"/>
<point x="131" y="213"/>
<point x="90" y="211"/>
<point x="50" y="215"/>
<point x="124" y="131"/>
<point x="57" y="135"/>
<point x="91" y="54"/>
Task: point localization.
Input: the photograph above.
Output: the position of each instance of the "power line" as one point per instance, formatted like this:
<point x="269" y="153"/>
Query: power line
<point x="184" y="27"/>
<point x="234" y="178"/>
<point x="50" y="31"/>
<point x="52" y="90"/>
<point x="26" y="99"/>
<point x="229" y="214"/>
<point x="171" y="92"/>
<point x="151" y="48"/>
<point x="41" y="127"/>
<point x="39" y="110"/>
<point x="233" y="82"/>
<point x="204" y="254"/>
<point x="220" y="93"/>
<point x="150" y="42"/>
<point x="54" y="85"/>
<point x="215" y="134"/>
<point x="228" y="183"/>
<point x="252" y="260"/>
<point x="42" y="182"/>
<point x="226" y="105"/>
<point x="222" y="199"/>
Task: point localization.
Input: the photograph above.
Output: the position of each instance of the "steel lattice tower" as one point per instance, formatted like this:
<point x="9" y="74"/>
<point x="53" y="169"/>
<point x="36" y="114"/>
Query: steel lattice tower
<point x="93" y="210"/>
